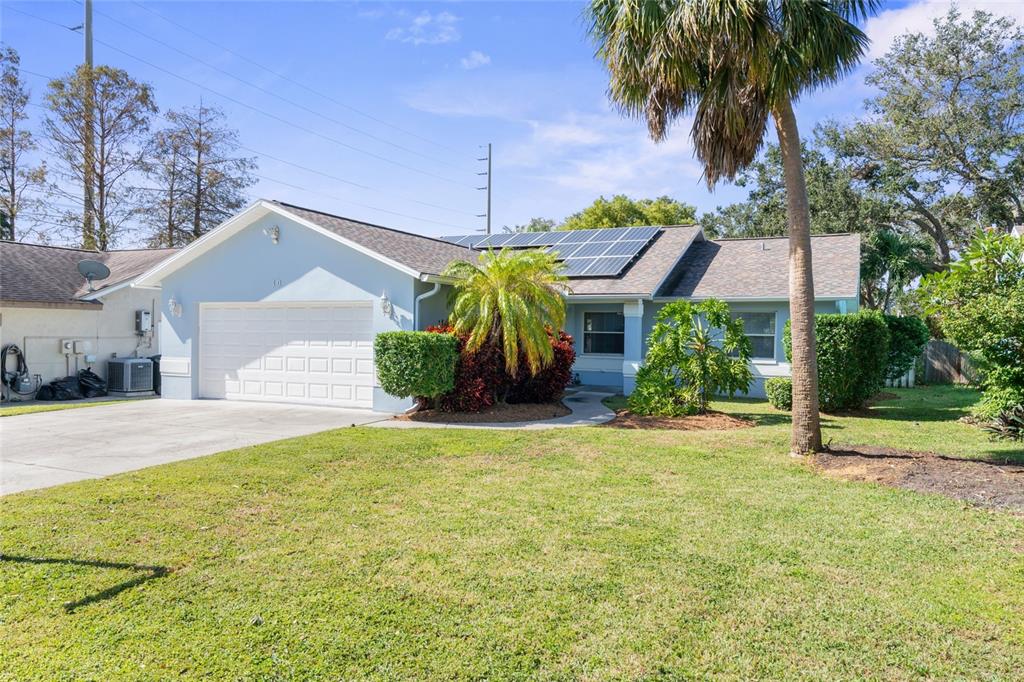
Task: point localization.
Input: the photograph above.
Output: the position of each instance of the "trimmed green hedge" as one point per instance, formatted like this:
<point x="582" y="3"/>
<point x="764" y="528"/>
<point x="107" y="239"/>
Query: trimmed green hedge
<point x="780" y="393"/>
<point x="907" y="338"/>
<point x="853" y="354"/>
<point x="416" y="364"/>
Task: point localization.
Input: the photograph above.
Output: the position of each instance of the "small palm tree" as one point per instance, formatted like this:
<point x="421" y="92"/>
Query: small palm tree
<point x="510" y="299"/>
<point x="734" y="64"/>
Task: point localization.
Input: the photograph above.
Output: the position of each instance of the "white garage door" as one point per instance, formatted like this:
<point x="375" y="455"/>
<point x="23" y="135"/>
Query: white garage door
<point x="319" y="353"/>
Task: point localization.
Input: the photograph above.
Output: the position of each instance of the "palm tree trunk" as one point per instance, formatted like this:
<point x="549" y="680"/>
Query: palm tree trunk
<point x="806" y="434"/>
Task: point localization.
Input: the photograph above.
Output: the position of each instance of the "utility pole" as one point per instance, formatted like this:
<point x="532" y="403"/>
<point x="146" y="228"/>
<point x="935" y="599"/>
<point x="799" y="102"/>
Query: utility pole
<point x="488" y="187"/>
<point x="88" y="140"/>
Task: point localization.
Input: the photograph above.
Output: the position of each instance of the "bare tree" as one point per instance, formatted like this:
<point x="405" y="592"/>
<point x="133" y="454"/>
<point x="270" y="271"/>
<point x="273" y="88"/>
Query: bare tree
<point x="200" y="176"/>
<point x="19" y="180"/>
<point x="121" y="111"/>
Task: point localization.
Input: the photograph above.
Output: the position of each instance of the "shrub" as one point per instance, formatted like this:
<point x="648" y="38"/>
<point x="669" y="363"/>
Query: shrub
<point x="780" y="393"/>
<point x="979" y="304"/>
<point x="659" y="393"/>
<point x="695" y="351"/>
<point x="415" y="363"/>
<point x="853" y="353"/>
<point x="994" y="401"/>
<point x="481" y="377"/>
<point x="547" y="385"/>
<point x="907" y="338"/>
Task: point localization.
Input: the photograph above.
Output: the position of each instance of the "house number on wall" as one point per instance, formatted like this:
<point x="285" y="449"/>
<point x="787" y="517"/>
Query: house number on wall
<point x="277" y="283"/>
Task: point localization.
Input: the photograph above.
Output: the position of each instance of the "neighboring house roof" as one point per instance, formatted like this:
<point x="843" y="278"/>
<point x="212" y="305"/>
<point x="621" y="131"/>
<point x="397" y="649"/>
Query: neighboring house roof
<point x="48" y="275"/>
<point x="651" y="269"/>
<point x="759" y="268"/>
<point x="425" y="255"/>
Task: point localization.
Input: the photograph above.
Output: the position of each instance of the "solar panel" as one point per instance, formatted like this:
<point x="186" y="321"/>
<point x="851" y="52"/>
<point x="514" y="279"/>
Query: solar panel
<point x="585" y="253"/>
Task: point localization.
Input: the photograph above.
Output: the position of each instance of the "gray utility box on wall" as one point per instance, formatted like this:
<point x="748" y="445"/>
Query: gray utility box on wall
<point x="130" y="375"/>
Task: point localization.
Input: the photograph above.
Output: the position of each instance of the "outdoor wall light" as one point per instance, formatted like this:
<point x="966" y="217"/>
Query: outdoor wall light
<point x="385" y="305"/>
<point x="174" y="307"/>
<point x="273" y="232"/>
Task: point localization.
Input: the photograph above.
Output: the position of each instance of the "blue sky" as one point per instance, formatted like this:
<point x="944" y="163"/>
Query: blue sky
<point x="384" y="105"/>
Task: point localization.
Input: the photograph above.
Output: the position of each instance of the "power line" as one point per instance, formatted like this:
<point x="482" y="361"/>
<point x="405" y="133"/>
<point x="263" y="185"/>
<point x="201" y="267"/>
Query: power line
<point x="249" y="106"/>
<point x="310" y="170"/>
<point x="295" y="82"/>
<point x="278" y="95"/>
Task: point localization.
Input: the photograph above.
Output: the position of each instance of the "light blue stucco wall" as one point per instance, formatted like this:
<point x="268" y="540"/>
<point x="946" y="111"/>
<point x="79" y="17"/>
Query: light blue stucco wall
<point x="607" y="370"/>
<point x="249" y="267"/>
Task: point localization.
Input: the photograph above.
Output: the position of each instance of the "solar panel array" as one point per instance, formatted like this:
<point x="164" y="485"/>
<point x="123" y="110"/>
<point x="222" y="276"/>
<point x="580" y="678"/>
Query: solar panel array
<point x="586" y="253"/>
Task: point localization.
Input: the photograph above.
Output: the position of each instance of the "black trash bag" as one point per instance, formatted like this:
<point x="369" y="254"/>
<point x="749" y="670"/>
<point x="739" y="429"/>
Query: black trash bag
<point x="60" y="389"/>
<point x="91" y="384"/>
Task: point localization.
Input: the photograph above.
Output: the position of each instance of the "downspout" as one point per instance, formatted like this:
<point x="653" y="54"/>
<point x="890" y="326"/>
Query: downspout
<point x="416" y="305"/>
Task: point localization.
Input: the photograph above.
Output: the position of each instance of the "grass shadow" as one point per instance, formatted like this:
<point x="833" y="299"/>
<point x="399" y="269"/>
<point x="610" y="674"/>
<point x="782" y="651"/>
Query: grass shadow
<point x="148" y="573"/>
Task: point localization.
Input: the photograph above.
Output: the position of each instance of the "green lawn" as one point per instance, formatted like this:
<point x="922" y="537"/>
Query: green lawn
<point x="582" y="553"/>
<point x="15" y="409"/>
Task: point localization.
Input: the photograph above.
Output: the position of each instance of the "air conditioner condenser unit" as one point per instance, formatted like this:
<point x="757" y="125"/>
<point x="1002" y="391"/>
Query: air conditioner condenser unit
<point x="130" y="375"/>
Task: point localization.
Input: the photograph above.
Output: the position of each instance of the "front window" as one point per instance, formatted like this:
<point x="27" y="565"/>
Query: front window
<point x="604" y="333"/>
<point x="760" y="329"/>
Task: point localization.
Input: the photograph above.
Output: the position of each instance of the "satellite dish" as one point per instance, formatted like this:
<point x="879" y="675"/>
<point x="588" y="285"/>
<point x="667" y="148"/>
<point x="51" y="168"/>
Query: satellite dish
<point x="93" y="270"/>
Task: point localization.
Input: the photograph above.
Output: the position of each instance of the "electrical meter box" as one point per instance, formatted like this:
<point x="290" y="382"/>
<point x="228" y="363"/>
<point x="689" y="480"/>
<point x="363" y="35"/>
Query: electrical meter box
<point x="143" y="321"/>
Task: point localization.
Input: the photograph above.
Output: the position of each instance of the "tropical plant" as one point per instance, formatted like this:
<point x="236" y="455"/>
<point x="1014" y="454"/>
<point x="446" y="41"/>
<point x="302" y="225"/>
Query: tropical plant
<point x="979" y="304"/>
<point x="1008" y="424"/>
<point x="890" y="261"/>
<point x="735" y="64"/>
<point x="510" y="299"/>
<point x="694" y="351"/>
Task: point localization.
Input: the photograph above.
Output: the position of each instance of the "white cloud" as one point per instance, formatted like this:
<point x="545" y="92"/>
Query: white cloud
<point x="427" y="29"/>
<point x="918" y="17"/>
<point x="475" y="60"/>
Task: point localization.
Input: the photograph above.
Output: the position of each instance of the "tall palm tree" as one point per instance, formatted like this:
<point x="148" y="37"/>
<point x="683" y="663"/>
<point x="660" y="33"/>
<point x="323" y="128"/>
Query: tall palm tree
<point x="734" y="64"/>
<point x="510" y="299"/>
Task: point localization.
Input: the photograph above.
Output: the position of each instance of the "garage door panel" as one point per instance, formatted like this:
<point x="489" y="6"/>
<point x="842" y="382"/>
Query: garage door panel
<point x="320" y="353"/>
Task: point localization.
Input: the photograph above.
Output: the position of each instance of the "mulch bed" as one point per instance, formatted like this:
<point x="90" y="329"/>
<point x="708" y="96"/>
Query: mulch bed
<point x="987" y="484"/>
<point x="717" y="421"/>
<point x="500" y="413"/>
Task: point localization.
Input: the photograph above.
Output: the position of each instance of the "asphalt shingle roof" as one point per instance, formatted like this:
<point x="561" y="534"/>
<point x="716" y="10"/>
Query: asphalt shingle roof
<point x="759" y="268"/>
<point x="648" y="271"/>
<point x="425" y="255"/>
<point x="32" y="273"/>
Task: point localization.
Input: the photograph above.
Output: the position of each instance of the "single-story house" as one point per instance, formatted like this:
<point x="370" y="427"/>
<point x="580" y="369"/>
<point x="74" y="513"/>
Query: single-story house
<point x="60" y="322"/>
<point x="282" y="303"/>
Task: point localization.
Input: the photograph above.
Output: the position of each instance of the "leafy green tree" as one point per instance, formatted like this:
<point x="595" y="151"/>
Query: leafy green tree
<point x="979" y="303"/>
<point x="695" y="351"/>
<point x="890" y="261"/>
<point x="836" y="203"/>
<point x="534" y="225"/>
<point x="621" y="211"/>
<point x="510" y="299"/>
<point x="944" y="137"/>
<point x="736" y="64"/>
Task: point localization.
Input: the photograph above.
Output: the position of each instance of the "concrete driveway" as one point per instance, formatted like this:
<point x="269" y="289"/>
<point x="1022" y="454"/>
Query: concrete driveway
<point x="50" y="448"/>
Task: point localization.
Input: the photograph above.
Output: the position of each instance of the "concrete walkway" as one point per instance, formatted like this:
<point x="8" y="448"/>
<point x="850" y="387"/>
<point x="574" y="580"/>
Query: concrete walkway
<point x="49" y="448"/>
<point x="587" y="410"/>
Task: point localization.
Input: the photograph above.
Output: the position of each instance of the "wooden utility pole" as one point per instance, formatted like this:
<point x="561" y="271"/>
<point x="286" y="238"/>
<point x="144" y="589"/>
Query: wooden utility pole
<point x="89" y="141"/>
